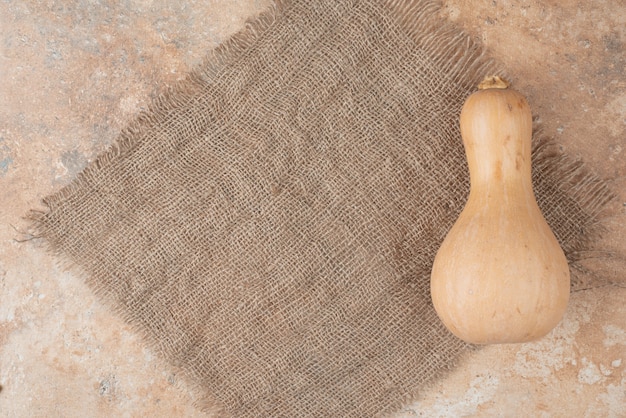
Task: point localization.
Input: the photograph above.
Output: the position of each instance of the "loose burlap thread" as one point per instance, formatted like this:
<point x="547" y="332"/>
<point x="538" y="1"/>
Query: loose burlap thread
<point x="269" y="224"/>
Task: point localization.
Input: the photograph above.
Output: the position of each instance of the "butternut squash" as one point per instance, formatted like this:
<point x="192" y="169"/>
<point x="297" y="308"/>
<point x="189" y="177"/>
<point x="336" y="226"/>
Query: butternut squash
<point x="500" y="275"/>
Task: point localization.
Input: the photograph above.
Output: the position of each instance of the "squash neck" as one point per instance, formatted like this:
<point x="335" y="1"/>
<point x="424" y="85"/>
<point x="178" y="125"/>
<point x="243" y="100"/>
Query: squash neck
<point x="501" y="191"/>
<point x="498" y="169"/>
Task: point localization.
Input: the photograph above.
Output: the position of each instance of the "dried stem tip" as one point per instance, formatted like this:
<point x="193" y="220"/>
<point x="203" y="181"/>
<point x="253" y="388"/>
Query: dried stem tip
<point x="493" y="82"/>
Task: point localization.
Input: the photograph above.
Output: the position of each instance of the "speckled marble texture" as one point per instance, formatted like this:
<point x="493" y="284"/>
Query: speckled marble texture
<point x="73" y="73"/>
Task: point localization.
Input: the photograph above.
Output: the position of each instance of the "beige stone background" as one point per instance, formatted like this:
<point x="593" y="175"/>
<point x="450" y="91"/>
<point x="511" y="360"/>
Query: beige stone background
<point x="73" y="73"/>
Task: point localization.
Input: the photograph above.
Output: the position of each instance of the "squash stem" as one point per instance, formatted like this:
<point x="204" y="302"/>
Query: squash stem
<point x="493" y="82"/>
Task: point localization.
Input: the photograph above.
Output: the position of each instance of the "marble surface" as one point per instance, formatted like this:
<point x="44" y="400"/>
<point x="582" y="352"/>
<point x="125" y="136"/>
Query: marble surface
<point x="74" y="73"/>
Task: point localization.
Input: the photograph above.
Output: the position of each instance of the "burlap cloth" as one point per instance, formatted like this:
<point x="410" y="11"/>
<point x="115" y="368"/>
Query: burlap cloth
<point x="269" y="225"/>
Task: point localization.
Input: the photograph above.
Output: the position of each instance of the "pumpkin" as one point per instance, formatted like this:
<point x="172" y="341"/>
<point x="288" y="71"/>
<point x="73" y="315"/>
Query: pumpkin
<point x="500" y="275"/>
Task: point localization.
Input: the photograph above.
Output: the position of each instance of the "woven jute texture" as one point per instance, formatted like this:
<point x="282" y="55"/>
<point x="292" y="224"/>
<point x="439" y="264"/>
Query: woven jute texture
<point x="269" y="225"/>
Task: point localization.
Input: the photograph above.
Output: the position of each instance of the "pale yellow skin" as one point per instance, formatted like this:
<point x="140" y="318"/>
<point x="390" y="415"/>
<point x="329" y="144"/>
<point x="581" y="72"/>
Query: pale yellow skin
<point x="500" y="275"/>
